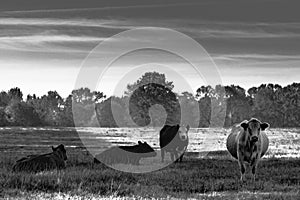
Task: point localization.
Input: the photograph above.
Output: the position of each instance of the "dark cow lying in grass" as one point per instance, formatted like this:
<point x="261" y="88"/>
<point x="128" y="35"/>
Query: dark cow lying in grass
<point x="37" y="163"/>
<point x="174" y="139"/>
<point x="248" y="144"/>
<point x="125" y="154"/>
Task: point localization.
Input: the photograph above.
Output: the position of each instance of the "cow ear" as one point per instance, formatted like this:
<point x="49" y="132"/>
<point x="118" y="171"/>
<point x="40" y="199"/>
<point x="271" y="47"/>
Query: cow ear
<point x="244" y="125"/>
<point x="53" y="149"/>
<point x="188" y="127"/>
<point x="176" y="127"/>
<point x="264" y="126"/>
<point x="61" y="146"/>
<point x="139" y="142"/>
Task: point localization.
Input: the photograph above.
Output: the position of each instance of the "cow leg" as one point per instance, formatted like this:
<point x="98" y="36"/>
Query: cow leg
<point x="241" y="164"/>
<point x="58" y="174"/>
<point x="180" y="158"/>
<point x="243" y="170"/>
<point x="162" y="155"/>
<point x="176" y="156"/>
<point x="253" y="172"/>
<point x="172" y="154"/>
<point x="253" y="167"/>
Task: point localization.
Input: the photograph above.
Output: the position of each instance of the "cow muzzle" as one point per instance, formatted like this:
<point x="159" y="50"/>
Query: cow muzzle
<point x="254" y="139"/>
<point x="183" y="137"/>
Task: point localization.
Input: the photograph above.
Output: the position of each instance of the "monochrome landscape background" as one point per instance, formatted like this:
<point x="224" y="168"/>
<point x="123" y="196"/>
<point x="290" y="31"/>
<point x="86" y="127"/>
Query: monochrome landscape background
<point x="255" y="46"/>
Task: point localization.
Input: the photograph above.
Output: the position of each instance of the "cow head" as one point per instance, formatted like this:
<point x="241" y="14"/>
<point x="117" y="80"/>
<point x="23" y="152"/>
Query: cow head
<point x="60" y="149"/>
<point x="253" y="128"/>
<point x="183" y="132"/>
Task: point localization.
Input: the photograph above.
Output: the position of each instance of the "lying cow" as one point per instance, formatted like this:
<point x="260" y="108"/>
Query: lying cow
<point x="247" y="143"/>
<point x="125" y="154"/>
<point x="27" y="157"/>
<point x="37" y="163"/>
<point x="174" y="139"/>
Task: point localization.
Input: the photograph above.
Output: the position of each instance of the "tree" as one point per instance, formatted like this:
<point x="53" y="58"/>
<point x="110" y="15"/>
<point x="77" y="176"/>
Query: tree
<point x="84" y="106"/>
<point x="15" y="94"/>
<point x="147" y="78"/>
<point x="268" y="104"/>
<point x="3" y="119"/>
<point x="151" y="89"/>
<point x="238" y="105"/>
<point x="291" y="105"/>
<point x="66" y="113"/>
<point x="4" y="99"/>
<point x="112" y="113"/>
<point x="48" y="107"/>
<point x="85" y="96"/>
<point x="149" y="95"/>
<point x="21" y="114"/>
<point x="83" y="114"/>
<point x="151" y="101"/>
<point x="212" y="106"/>
<point x="189" y="109"/>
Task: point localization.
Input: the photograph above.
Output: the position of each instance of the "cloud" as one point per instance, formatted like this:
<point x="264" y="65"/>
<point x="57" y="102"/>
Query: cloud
<point x="256" y="57"/>
<point x="270" y="67"/>
<point x="49" y="43"/>
<point x="49" y="34"/>
<point x="223" y="30"/>
<point x="46" y="22"/>
<point x="100" y="7"/>
<point x="36" y="39"/>
<point x="236" y="33"/>
<point x="198" y="28"/>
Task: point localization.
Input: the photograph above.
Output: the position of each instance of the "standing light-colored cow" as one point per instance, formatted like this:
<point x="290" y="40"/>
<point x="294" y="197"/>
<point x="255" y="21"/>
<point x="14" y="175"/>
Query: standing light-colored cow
<point x="174" y="139"/>
<point x="247" y="143"/>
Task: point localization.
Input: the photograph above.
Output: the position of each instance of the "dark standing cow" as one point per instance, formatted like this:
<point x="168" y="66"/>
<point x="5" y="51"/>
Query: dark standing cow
<point x="247" y="143"/>
<point x="174" y="139"/>
<point x="37" y="163"/>
<point x="125" y="154"/>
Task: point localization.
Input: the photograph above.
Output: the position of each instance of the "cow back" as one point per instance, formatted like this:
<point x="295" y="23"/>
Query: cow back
<point x="232" y="140"/>
<point x="265" y="143"/>
<point x="39" y="163"/>
<point x="167" y="134"/>
<point x="231" y="143"/>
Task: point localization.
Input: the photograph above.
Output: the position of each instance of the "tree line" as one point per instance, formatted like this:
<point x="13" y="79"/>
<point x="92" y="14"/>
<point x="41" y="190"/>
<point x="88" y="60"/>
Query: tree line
<point x="151" y="101"/>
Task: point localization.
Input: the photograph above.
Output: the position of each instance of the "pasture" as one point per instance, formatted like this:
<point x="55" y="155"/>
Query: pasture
<point x="210" y="174"/>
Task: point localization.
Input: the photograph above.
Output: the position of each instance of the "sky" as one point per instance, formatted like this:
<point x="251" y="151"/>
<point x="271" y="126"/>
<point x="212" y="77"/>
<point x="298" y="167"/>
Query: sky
<point x="44" y="44"/>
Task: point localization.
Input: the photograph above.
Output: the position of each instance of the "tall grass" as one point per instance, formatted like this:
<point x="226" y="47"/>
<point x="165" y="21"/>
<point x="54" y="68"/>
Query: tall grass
<point x="193" y="177"/>
<point x="213" y="177"/>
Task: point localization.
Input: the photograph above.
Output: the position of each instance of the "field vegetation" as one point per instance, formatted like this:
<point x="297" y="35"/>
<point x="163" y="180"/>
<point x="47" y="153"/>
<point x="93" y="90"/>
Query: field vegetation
<point x="214" y="176"/>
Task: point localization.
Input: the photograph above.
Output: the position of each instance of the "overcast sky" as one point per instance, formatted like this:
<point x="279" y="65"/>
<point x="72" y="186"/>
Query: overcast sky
<point x="43" y="42"/>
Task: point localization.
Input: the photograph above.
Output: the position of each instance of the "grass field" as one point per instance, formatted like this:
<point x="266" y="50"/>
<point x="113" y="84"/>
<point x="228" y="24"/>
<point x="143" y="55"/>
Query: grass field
<point x="213" y="176"/>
